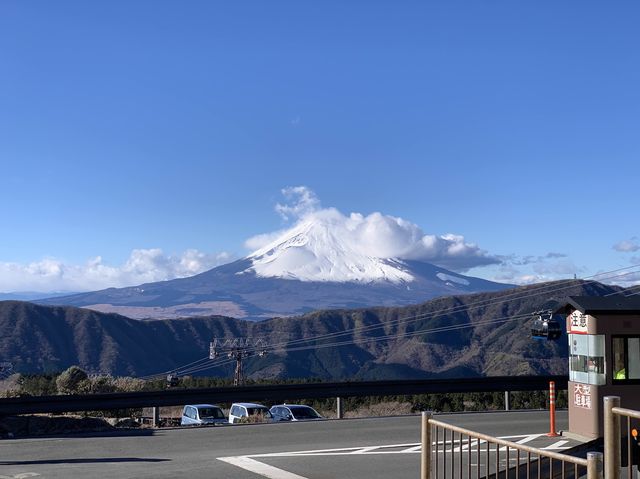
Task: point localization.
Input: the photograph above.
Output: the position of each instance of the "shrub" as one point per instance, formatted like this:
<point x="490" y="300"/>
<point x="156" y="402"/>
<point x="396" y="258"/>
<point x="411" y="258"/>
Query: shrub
<point x="128" y="384"/>
<point x="72" y="381"/>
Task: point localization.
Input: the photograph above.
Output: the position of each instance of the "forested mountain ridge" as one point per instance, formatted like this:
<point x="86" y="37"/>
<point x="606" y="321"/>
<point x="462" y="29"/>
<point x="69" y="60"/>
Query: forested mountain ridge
<point x="484" y="334"/>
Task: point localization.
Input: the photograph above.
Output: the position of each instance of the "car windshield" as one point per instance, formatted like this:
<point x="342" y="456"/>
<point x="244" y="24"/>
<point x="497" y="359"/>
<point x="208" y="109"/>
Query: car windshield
<point x="211" y="413"/>
<point x="304" y="413"/>
<point x="252" y="411"/>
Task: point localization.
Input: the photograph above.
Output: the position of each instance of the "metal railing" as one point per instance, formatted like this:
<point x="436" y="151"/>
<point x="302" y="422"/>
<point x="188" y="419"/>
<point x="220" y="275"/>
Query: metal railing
<point x="613" y="413"/>
<point x="273" y="393"/>
<point x="452" y="452"/>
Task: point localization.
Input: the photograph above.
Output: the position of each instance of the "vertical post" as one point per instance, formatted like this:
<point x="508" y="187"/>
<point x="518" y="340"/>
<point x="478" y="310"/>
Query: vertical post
<point x="425" y="454"/>
<point x="507" y="398"/>
<point x="612" y="448"/>
<point x="155" y="418"/>
<point x="594" y="465"/>
<point x="339" y="408"/>
<point x="238" y="377"/>
<point x="552" y="409"/>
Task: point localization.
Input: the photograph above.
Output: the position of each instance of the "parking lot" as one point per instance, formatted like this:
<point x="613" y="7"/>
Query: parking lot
<point x="349" y="448"/>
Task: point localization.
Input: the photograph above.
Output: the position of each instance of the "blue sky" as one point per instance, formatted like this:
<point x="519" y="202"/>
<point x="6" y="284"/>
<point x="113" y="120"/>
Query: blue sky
<point x="160" y="135"/>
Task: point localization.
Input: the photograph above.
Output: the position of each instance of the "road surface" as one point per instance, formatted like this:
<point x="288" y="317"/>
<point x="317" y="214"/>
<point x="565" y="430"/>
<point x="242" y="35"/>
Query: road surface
<point x="349" y="448"/>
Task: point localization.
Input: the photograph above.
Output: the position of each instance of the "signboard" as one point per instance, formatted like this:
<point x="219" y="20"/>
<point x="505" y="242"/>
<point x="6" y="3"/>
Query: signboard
<point x="582" y="396"/>
<point x="578" y="323"/>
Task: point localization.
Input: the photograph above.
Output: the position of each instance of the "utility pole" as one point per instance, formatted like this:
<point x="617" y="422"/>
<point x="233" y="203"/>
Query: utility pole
<point x="238" y="350"/>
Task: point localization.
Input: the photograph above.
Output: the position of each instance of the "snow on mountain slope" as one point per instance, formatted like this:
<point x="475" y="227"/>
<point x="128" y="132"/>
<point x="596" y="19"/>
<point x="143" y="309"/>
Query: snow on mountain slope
<point x="322" y="251"/>
<point x="330" y="262"/>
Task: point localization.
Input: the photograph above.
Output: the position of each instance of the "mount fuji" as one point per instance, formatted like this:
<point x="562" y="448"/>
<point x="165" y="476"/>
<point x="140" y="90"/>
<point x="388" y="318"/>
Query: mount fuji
<point x="314" y="265"/>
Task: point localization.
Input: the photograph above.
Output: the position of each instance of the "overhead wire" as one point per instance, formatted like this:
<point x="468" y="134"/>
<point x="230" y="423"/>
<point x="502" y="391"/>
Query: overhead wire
<point x="443" y="312"/>
<point x="281" y="346"/>
<point x="176" y="370"/>
<point x="385" y="337"/>
<point x="193" y="367"/>
<point x="626" y="295"/>
<point x="183" y="370"/>
<point x="417" y="332"/>
<point x="406" y="334"/>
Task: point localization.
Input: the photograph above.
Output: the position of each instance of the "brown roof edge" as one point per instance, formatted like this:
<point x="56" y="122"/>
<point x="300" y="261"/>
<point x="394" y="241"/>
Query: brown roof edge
<point x="615" y="304"/>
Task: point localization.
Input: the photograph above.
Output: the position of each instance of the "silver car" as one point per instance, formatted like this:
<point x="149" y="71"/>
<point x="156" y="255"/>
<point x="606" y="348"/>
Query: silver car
<point x="195" y="414"/>
<point x="294" y="412"/>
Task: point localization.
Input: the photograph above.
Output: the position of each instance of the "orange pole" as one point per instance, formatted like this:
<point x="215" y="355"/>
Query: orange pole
<point x="552" y="410"/>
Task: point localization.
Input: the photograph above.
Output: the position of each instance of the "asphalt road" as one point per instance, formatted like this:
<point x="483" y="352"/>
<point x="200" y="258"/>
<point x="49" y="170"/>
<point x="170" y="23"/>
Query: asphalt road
<point x="351" y="448"/>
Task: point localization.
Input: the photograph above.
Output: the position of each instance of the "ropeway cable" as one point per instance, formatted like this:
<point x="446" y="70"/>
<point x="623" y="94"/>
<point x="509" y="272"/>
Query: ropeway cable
<point x="418" y="332"/>
<point x="530" y="293"/>
<point x="444" y="312"/>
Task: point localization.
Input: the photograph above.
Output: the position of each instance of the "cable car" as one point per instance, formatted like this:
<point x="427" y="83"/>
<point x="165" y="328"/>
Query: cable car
<point x="172" y="380"/>
<point x="545" y="327"/>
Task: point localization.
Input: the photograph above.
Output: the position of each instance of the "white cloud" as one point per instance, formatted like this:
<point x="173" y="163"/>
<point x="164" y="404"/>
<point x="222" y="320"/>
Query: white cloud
<point x="628" y="279"/>
<point x="535" y="269"/>
<point x="562" y="268"/>
<point x="301" y="201"/>
<point x="627" y="246"/>
<point x="451" y="251"/>
<point x="378" y="235"/>
<point x="259" y="241"/>
<point x="142" y="266"/>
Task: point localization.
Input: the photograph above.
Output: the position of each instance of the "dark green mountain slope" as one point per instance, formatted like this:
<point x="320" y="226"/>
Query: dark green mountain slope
<point x="400" y="342"/>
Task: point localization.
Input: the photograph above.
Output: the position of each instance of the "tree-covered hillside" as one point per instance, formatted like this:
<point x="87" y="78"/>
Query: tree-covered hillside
<point x="479" y="334"/>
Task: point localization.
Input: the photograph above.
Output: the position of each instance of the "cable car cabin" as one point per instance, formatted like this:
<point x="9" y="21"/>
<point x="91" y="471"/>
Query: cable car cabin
<point x="545" y="327"/>
<point x="172" y="380"/>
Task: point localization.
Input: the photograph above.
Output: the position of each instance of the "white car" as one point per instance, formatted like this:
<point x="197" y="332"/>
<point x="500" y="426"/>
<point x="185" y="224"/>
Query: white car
<point x="249" y="412"/>
<point x="195" y="414"/>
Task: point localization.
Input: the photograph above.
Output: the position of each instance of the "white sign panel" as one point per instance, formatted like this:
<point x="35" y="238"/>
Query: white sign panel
<point x="582" y="395"/>
<point x="578" y="323"/>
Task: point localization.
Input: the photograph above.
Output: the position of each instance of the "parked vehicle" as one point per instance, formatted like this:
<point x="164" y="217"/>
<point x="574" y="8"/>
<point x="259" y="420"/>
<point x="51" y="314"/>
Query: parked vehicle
<point x="249" y="412"/>
<point x="294" y="412"/>
<point x="194" y="414"/>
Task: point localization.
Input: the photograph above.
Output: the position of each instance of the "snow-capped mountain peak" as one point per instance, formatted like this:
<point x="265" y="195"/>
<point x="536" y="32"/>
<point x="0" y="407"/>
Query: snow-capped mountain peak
<point x="324" y="263"/>
<point x="320" y="251"/>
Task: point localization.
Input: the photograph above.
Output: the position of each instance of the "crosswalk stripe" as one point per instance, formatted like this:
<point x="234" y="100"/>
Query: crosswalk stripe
<point x="261" y="468"/>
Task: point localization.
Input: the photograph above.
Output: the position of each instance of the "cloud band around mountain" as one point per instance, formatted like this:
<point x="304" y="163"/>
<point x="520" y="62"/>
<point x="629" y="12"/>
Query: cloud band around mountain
<point x="375" y="234"/>
<point x="142" y="266"/>
<point x="378" y="235"/>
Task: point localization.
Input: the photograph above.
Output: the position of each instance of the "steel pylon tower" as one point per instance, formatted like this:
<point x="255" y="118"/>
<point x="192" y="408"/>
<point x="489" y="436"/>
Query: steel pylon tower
<point x="238" y="350"/>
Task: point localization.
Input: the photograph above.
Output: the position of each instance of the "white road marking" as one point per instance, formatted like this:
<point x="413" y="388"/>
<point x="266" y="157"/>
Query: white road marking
<point x="406" y="448"/>
<point x="340" y="451"/>
<point x="250" y="463"/>
<point x="22" y="475"/>
<point x="529" y="438"/>
<point x="556" y="445"/>
<point x="264" y="470"/>
<point x="417" y="448"/>
<point x="365" y="450"/>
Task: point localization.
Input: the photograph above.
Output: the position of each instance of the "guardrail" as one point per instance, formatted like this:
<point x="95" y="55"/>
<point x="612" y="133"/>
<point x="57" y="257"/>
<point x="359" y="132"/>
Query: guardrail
<point x="475" y="455"/>
<point x="274" y="393"/>
<point x="613" y="438"/>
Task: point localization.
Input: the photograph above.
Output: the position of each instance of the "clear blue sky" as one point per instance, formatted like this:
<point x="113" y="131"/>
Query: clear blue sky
<point x="139" y="125"/>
